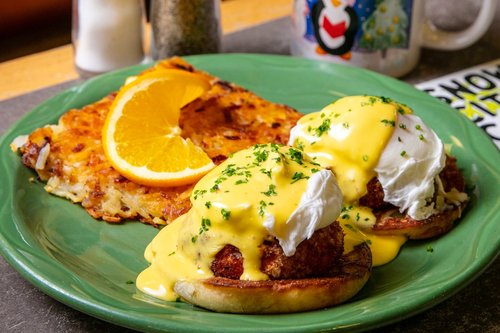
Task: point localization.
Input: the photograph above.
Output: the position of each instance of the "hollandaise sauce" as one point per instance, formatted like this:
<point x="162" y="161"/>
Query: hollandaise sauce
<point x="250" y="196"/>
<point x="349" y="137"/>
<point x="356" y="222"/>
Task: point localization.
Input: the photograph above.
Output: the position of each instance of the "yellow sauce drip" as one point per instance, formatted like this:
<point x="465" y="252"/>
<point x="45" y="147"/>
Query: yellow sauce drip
<point x="356" y="223"/>
<point x="229" y="206"/>
<point x="384" y="248"/>
<point x="164" y="257"/>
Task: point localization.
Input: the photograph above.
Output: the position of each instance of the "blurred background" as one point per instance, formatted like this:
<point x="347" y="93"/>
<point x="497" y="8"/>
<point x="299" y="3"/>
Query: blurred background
<point x="31" y="26"/>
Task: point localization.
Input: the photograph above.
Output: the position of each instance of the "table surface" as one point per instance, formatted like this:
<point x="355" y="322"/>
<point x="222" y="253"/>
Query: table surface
<point x="34" y="78"/>
<point x="44" y="69"/>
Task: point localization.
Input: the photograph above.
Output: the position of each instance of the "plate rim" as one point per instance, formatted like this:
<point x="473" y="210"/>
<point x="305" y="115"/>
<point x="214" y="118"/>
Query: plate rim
<point x="16" y="260"/>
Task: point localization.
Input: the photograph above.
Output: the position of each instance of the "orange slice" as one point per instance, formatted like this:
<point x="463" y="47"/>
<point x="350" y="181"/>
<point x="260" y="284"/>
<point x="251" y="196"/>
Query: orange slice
<point x="141" y="135"/>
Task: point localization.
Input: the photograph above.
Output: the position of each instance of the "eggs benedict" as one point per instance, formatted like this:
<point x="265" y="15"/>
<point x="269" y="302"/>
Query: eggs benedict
<point x="261" y="237"/>
<point x="397" y="181"/>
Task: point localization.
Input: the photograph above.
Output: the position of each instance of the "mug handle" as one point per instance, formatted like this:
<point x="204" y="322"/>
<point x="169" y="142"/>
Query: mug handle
<point x="435" y="38"/>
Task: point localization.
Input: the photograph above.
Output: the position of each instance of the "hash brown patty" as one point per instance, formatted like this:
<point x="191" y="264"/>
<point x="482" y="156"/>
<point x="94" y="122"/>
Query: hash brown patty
<point x="69" y="156"/>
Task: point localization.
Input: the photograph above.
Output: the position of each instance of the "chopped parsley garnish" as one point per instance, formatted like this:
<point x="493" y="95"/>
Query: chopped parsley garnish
<point x="418" y="127"/>
<point x="399" y="139"/>
<point x="402" y="126"/>
<point x="241" y="181"/>
<point x="199" y="193"/>
<point x="261" y="156"/>
<point x="314" y="163"/>
<point x="346" y="208"/>
<point x="385" y="99"/>
<point x="171" y="253"/>
<point x="246" y="173"/>
<point x="129" y="282"/>
<point x="266" y="172"/>
<point x="208" y="204"/>
<point x="365" y="158"/>
<point x="323" y="128"/>
<point x="205" y="224"/>
<point x="194" y="239"/>
<point x="401" y="110"/>
<point x="350" y="227"/>
<point x="299" y="144"/>
<point x="368" y="241"/>
<point x="314" y="170"/>
<point x="403" y="153"/>
<point x="388" y="122"/>
<point x="336" y="115"/>
<point x="357" y="216"/>
<point x="216" y="184"/>
<point x="430" y="249"/>
<point x="345" y="216"/>
<point x="295" y="155"/>
<point x="226" y="214"/>
<point x="345" y="125"/>
<point x="262" y="206"/>
<point x="298" y="176"/>
<point x="230" y="170"/>
<point x="421" y="137"/>
<point x="270" y="191"/>
<point x="275" y="147"/>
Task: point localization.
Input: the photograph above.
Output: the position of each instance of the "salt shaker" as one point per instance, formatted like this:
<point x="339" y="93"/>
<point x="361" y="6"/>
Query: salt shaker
<point x="183" y="27"/>
<point x="107" y="34"/>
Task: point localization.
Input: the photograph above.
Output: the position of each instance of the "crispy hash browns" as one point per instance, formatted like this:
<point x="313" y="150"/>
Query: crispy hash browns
<point x="69" y="156"/>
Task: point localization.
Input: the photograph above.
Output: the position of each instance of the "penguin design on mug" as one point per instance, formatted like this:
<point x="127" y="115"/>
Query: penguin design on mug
<point x="335" y="25"/>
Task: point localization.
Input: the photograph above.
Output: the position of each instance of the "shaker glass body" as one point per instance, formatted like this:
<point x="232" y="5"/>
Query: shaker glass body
<point x="107" y="34"/>
<point x="183" y="27"/>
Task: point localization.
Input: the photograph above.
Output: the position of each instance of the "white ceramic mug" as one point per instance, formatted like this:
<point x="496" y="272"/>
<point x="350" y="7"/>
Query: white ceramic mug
<point x="382" y="35"/>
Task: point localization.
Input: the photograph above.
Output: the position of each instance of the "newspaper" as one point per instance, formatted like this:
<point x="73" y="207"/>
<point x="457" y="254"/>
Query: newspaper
<point x="475" y="92"/>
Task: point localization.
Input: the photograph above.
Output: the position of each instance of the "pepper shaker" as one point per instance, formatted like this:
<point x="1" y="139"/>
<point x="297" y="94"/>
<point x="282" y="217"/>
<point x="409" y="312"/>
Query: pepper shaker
<point x="183" y="27"/>
<point x="107" y="34"/>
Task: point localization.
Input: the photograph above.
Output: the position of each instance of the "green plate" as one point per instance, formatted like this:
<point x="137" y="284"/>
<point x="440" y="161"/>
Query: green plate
<point x="88" y="264"/>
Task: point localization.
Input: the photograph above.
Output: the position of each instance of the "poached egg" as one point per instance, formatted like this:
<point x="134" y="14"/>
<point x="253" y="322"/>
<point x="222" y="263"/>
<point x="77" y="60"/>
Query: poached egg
<point x="260" y="191"/>
<point x="362" y="137"/>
